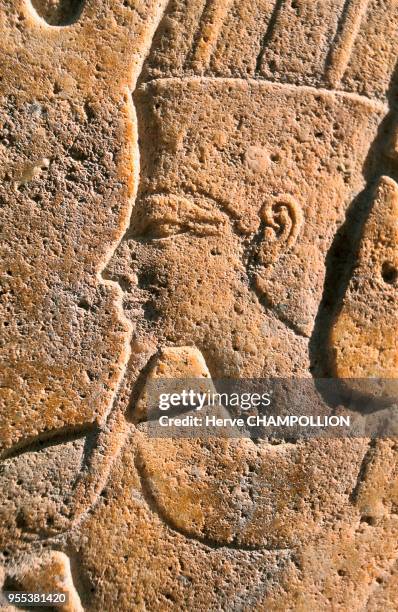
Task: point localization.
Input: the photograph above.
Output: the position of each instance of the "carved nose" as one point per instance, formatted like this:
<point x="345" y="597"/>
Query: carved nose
<point x="121" y="268"/>
<point x="364" y="339"/>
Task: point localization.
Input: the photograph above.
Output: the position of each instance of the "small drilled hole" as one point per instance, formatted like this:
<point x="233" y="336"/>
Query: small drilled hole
<point x="389" y="273"/>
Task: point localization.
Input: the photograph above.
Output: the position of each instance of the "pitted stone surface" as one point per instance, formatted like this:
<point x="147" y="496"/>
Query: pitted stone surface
<point x="195" y="189"/>
<point x="364" y="336"/>
<point x="49" y="572"/>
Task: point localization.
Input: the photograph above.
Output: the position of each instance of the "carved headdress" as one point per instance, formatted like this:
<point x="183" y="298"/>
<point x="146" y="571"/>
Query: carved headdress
<point x="325" y="43"/>
<point x="259" y="105"/>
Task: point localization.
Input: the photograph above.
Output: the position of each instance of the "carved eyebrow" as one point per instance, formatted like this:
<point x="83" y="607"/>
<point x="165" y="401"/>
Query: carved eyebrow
<point x="177" y="210"/>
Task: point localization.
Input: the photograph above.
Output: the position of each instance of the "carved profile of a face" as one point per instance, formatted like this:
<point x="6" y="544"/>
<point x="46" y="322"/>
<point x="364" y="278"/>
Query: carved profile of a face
<point x="243" y="185"/>
<point x="67" y="134"/>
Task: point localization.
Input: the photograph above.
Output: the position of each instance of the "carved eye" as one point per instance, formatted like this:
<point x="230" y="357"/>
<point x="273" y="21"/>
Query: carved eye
<point x="58" y="12"/>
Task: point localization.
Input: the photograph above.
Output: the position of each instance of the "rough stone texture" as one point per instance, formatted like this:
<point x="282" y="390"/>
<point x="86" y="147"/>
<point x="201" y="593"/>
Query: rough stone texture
<point x="208" y="189"/>
<point x="49" y="572"/>
<point x="364" y="338"/>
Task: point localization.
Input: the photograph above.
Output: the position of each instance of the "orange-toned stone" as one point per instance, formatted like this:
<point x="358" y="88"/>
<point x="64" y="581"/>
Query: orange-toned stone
<point x="185" y="186"/>
<point x="364" y="339"/>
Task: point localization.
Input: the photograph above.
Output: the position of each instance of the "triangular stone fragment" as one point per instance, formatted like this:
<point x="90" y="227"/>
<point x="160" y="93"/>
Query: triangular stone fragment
<point x="364" y="339"/>
<point x="184" y="363"/>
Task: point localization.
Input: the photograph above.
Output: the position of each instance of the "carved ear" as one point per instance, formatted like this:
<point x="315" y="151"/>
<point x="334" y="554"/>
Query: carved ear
<point x="282" y="219"/>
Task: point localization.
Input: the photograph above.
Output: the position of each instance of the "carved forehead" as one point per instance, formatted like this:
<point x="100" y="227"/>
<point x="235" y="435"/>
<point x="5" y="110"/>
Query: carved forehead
<point x="249" y="141"/>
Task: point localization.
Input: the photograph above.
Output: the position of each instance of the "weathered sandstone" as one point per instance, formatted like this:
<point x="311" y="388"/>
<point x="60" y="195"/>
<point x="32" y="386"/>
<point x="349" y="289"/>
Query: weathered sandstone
<point x="195" y="189"/>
